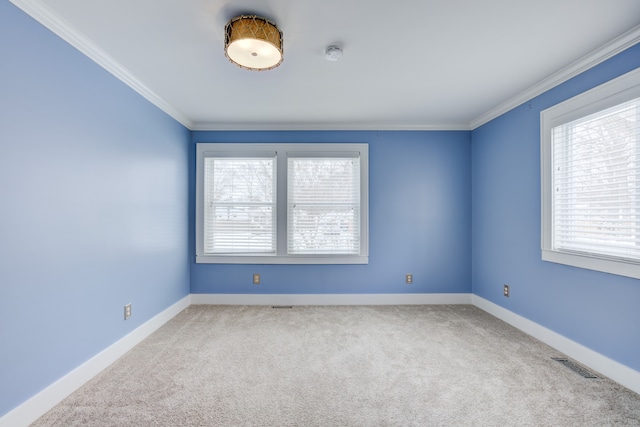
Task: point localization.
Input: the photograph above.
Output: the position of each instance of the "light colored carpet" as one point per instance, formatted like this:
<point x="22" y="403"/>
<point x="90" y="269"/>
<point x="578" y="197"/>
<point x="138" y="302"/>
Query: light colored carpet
<point x="342" y="366"/>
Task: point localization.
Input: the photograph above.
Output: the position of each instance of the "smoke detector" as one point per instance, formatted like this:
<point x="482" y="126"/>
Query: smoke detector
<point x="333" y="53"/>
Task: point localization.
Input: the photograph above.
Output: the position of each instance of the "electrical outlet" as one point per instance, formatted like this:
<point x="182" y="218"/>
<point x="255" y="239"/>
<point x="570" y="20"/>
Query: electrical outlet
<point x="127" y="311"/>
<point x="505" y="291"/>
<point x="408" y="279"/>
<point x="256" y="279"/>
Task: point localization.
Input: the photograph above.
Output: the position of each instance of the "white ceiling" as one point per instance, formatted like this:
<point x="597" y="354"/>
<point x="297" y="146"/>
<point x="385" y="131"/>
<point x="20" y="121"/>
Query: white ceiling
<point x="408" y="64"/>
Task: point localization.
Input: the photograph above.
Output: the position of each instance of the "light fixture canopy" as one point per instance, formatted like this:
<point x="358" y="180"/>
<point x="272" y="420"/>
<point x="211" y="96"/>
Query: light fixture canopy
<point x="253" y="43"/>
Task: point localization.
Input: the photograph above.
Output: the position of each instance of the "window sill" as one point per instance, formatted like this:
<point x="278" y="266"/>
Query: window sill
<point x="282" y="260"/>
<point x="620" y="268"/>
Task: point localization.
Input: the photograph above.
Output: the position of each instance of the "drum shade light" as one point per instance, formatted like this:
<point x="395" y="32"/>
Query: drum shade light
<point x="253" y="43"/>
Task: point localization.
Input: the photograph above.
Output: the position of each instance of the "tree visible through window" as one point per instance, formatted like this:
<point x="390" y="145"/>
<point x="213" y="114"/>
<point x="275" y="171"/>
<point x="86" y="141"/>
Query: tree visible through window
<point x="239" y="205"/>
<point x="597" y="184"/>
<point x="590" y="151"/>
<point x="324" y="205"/>
<point x="282" y="203"/>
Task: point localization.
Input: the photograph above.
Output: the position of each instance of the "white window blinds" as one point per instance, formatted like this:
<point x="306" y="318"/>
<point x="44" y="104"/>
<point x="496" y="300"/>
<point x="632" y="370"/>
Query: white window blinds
<point x="323" y="199"/>
<point x="290" y="203"/>
<point x="239" y="205"/>
<point x="596" y="183"/>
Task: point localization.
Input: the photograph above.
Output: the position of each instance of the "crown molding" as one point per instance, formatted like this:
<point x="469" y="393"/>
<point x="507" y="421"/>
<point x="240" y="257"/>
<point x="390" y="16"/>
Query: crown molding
<point x="39" y="11"/>
<point x="596" y="57"/>
<point x="364" y="126"/>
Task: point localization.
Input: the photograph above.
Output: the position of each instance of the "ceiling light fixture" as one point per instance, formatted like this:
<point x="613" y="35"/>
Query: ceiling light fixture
<point x="253" y="42"/>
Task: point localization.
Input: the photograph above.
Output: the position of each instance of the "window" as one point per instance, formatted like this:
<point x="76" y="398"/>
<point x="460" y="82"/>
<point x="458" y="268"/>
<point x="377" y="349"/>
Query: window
<point x="323" y="207"/>
<point x="239" y="205"/>
<point x="282" y="203"/>
<point x="590" y="148"/>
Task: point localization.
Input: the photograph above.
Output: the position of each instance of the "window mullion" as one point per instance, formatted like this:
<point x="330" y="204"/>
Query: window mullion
<point x="281" y="203"/>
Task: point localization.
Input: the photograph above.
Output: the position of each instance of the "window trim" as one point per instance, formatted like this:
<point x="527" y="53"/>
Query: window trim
<point x="609" y="94"/>
<point x="282" y="150"/>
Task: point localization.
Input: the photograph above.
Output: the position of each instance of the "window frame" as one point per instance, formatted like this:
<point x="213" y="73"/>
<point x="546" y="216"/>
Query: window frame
<point x="281" y="256"/>
<point x="598" y="99"/>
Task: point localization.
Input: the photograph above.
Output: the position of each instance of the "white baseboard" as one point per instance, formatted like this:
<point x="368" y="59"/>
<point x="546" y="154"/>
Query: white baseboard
<point x="39" y="404"/>
<point x="616" y="371"/>
<point x="329" y="299"/>
<point x="42" y="402"/>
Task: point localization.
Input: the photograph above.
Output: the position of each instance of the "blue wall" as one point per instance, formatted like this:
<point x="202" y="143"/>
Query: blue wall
<point x="419" y="220"/>
<point x="598" y="310"/>
<point x="97" y="190"/>
<point x="93" y="184"/>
